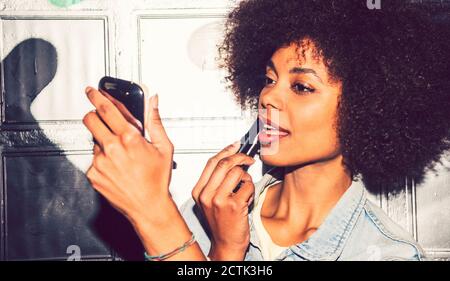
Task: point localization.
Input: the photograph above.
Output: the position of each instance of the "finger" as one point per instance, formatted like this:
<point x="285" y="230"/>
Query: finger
<point x="210" y="166"/>
<point x="124" y="110"/>
<point x="115" y="154"/>
<point x="109" y="113"/>
<point x="97" y="149"/>
<point x="154" y="126"/>
<point x="99" y="182"/>
<point x="222" y="169"/>
<point x="98" y="129"/>
<point x="96" y="177"/>
<point x="247" y="190"/>
<point x="106" y="166"/>
<point x="230" y="182"/>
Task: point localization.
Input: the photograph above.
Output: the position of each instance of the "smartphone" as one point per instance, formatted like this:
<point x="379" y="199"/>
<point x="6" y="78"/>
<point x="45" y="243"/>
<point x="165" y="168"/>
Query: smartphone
<point x="131" y="95"/>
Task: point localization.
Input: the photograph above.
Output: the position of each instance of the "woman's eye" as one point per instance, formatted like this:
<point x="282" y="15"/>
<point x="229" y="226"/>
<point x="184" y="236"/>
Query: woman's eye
<point x="268" y="81"/>
<point x="300" y="88"/>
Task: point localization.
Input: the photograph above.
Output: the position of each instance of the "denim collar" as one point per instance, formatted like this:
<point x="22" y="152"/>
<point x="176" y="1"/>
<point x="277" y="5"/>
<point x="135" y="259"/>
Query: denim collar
<point x="328" y="242"/>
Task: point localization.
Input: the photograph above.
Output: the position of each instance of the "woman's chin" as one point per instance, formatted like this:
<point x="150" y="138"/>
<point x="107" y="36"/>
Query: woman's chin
<point x="273" y="160"/>
<point x="277" y="154"/>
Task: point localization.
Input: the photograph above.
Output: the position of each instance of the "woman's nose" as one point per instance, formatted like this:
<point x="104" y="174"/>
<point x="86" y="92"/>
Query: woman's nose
<point x="271" y="98"/>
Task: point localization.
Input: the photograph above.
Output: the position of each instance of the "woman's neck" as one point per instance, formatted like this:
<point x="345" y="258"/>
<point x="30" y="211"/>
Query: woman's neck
<point x="307" y="194"/>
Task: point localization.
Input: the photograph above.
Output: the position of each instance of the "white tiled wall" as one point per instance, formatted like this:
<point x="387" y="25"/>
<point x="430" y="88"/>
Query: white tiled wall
<point x="82" y="57"/>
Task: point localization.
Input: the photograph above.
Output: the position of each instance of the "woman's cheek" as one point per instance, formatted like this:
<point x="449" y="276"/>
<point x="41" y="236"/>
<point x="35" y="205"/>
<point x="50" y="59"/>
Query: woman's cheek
<point x="313" y="137"/>
<point x="318" y="138"/>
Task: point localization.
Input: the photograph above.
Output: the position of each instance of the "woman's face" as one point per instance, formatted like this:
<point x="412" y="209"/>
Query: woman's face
<point x="299" y="99"/>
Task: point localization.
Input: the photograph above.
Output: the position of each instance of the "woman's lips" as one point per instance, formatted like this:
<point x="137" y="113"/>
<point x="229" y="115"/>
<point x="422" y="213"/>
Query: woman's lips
<point x="270" y="136"/>
<point x="270" y="131"/>
<point x="268" y="122"/>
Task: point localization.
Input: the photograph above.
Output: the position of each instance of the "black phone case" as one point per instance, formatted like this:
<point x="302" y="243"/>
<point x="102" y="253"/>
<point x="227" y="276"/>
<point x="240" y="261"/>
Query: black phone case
<point x="128" y="93"/>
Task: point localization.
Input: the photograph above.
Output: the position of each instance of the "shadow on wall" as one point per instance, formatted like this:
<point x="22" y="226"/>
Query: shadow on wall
<point x="49" y="203"/>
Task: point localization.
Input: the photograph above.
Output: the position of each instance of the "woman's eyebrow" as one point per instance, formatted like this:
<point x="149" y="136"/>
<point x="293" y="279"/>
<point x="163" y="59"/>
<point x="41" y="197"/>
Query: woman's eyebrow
<point x="295" y="70"/>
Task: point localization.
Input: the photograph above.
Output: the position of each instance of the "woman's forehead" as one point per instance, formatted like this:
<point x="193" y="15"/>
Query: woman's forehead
<point x="298" y="55"/>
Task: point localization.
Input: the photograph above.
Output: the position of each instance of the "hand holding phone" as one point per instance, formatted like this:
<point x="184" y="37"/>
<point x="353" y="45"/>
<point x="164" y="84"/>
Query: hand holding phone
<point x="129" y="98"/>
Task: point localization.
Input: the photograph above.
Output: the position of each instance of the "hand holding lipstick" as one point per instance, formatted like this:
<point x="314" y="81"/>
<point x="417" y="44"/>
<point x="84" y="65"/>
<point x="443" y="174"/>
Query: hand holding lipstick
<point x="226" y="211"/>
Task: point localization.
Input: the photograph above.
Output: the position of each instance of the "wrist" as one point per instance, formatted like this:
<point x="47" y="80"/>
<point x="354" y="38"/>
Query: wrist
<point x="223" y="253"/>
<point x="159" y="216"/>
<point x="163" y="230"/>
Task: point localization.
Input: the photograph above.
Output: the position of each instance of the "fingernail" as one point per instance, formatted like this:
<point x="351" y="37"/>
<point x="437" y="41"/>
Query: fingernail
<point x="88" y="89"/>
<point x="236" y="143"/>
<point x="154" y="101"/>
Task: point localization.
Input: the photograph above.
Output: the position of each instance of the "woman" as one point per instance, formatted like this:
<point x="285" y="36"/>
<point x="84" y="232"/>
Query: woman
<point x="357" y="93"/>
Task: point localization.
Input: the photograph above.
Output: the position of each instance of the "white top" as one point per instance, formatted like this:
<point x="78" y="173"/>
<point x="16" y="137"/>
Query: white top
<point x="269" y="249"/>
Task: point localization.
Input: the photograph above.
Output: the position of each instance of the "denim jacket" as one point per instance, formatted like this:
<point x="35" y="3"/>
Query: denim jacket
<point x="355" y="229"/>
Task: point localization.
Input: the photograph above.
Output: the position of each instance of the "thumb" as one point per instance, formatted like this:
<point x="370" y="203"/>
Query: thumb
<point x="153" y="125"/>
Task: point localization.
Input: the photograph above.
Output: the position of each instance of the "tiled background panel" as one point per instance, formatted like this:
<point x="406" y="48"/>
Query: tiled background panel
<point x="47" y="64"/>
<point x="433" y="209"/>
<point x="177" y="60"/>
<point x="201" y="135"/>
<point x="186" y="176"/>
<point x="399" y="205"/>
<point x="50" y="205"/>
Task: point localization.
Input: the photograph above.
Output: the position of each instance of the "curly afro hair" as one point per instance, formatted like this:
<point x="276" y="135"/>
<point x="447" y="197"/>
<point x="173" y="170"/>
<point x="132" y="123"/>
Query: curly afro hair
<point x="394" y="64"/>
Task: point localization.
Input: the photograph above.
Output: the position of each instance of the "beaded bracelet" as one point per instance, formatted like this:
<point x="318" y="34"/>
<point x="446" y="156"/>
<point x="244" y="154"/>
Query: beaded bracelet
<point x="171" y="253"/>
